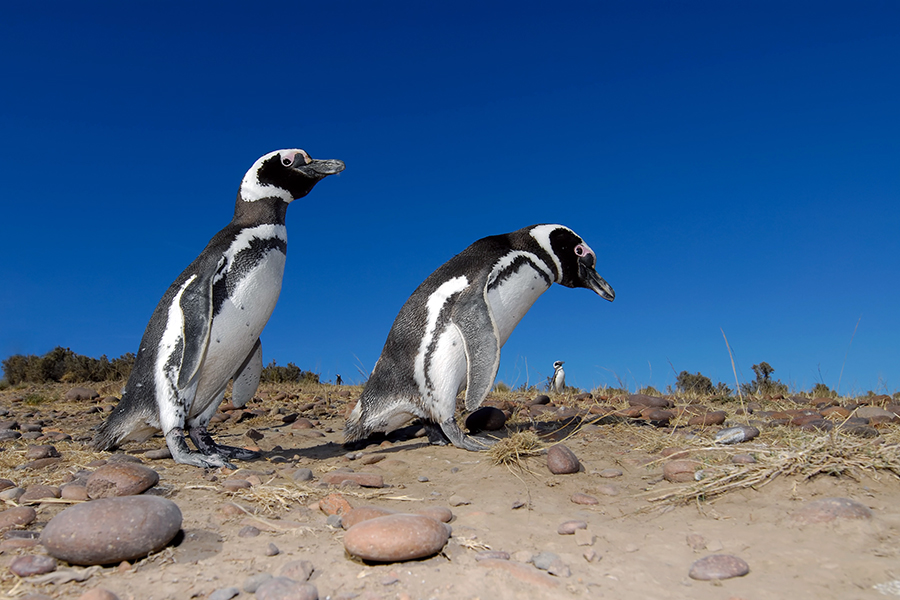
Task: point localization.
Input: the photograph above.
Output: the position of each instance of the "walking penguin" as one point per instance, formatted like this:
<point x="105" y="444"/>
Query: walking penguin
<point x="558" y="383"/>
<point x="205" y="330"/>
<point x="448" y="334"/>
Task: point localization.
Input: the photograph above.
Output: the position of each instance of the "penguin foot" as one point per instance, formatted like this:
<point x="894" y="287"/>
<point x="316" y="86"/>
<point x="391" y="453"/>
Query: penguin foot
<point x="451" y="430"/>
<point x="183" y="455"/>
<point x="200" y="436"/>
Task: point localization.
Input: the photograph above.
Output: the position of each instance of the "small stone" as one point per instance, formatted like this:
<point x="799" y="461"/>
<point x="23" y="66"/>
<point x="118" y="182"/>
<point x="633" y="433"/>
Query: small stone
<point x="13" y="494"/>
<point x="35" y="493"/>
<point x="543" y="560"/>
<point x="486" y="418"/>
<point x="252" y="583"/>
<point x="298" y="570"/>
<point x="33" y="564"/>
<point x="422" y="479"/>
<point x="569" y="527"/>
<point x="121" y="479"/>
<point x="540" y="399"/>
<point x="110" y="530"/>
<point x="743" y="459"/>
<point x="20" y="516"/>
<point x="394" y="538"/>
<point x="826" y="510"/>
<point x="591" y="555"/>
<point x="334" y="504"/>
<point x="98" y="593"/>
<point x="643" y="400"/>
<point x="456" y="500"/>
<point x="522" y="572"/>
<point x="610" y="473"/>
<point x="371" y="459"/>
<point x="158" y="454"/>
<point x="272" y="550"/>
<point x="559" y="569"/>
<point x="81" y="393"/>
<point x="74" y="491"/>
<point x="736" y="435"/>
<point x="438" y="513"/>
<point x="562" y="461"/>
<point x="302" y="474"/>
<point x="696" y="541"/>
<point x="370" y="480"/>
<point x="248" y="531"/>
<point x="718" y="566"/>
<point x="875" y="412"/>
<point x="42" y="451"/>
<point x="334" y="521"/>
<point x="283" y="588"/>
<point x="584" y="499"/>
<point x="680" y="471"/>
<point x="224" y="594"/>
<point x="716" y="417"/>
<point x="233" y="485"/>
<point x="492" y="555"/>
<point x="608" y="489"/>
<point x="583" y="537"/>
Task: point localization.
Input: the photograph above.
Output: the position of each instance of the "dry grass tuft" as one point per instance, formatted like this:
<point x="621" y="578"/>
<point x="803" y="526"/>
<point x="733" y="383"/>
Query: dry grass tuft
<point x="803" y="455"/>
<point x="511" y="450"/>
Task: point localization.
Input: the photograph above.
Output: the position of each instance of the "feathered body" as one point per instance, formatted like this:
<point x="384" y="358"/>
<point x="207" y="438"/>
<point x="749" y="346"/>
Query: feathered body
<point x="447" y="336"/>
<point x="558" y="382"/>
<point x="205" y="329"/>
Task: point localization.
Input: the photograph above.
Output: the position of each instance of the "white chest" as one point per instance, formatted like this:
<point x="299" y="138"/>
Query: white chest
<point x="512" y="292"/>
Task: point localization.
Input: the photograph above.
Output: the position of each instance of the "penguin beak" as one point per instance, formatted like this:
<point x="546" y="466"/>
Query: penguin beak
<point x="319" y="169"/>
<point x="592" y="279"/>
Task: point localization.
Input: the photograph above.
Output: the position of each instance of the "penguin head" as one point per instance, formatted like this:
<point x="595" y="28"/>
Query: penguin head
<point x="285" y="175"/>
<point x="578" y="263"/>
<point x="558" y="364"/>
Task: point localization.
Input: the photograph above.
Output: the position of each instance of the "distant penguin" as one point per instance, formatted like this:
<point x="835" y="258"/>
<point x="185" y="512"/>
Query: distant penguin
<point x="448" y="334"/>
<point x="558" y="383"/>
<point x="205" y="330"/>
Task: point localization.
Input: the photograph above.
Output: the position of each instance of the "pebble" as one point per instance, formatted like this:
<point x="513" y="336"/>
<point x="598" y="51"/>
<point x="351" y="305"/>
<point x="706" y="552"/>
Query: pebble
<point x="486" y="418"/>
<point x="13" y="494"/>
<point x="111" y="530"/>
<point x="610" y="473"/>
<point x="696" y="541"/>
<point x="5" y="484"/>
<point x="718" y="566"/>
<point x="42" y="451"/>
<point x="543" y="560"/>
<point x="363" y="513"/>
<point x="19" y="516"/>
<point x="608" y="489"/>
<point x="456" y="500"/>
<point x="252" y="583"/>
<point x="233" y="485"/>
<point x="33" y="564"/>
<point x="272" y="550"/>
<point x="743" y="459"/>
<point x="98" y="593"/>
<point x="680" y="471"/>
<point x="716" y="417"/>
<point x="562" y="461"/>
<point x="875" y="412"/>
<point x="37" y="492"/>
<point x="521" y="572"/>
<point x="248" y="531"/>
<point x="591" y="555"/>
<point x="438" y="513"/>
<point x="569" y="527"/>
<point x="370" y="480"/>
<point x="585" y="499"/>
<point x="736" y="435"/>
<point x="121" y="479"/>
<point x="298" y="570"/>
<point x="302" y="474"/>
<point x="224" y="593"/>
<point x="492" y="555"/>
<point x="583" y="537"/>
<point x="283" y="588"/>
<point x="334" y="504"/>
<point x="81" y="393"/>
<point x="159" y="454"/>
<point x="826" y="510"/>
<point x="540" y="399"/>
<point x="396" y="537"/>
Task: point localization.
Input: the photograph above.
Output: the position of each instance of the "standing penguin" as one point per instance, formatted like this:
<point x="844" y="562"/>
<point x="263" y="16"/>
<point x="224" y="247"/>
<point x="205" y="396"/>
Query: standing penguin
<point x="558" y="383"/>
<point x="205" y="330"/>
<point x="449" y="333"/>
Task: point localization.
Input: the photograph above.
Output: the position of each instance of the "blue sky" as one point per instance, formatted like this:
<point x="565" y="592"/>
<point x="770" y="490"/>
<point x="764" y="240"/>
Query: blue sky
<point x="734" y="165"/>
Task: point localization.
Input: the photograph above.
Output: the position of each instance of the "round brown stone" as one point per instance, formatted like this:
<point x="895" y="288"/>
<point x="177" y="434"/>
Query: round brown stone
<point x="16" y="517"/>
<point x="585" y="499"/>
<point x="396" y="537"/>
<point x="33" y="564"/>
<point x="680" y="471"/>
<point x="111" y="530"/>
<point x="718" y="566"/>
<point x="569" y="527"/>
<point x="826" y="510"/>
<point x="363" y="513"/>
<point x="562" y="461"/>
<point x="716" y="417"/>
<point x="121" y="479"/>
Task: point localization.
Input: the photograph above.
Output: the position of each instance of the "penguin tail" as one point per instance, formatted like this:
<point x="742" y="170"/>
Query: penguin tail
<point x="123" y="424"/>
<point x="354" y="429"/>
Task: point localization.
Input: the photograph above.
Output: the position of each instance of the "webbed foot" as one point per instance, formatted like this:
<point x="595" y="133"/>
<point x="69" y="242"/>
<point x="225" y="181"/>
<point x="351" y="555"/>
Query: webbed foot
<point x="451" y="430"/>
<point x="183" y="455"/>
<point x="207" y="445"/>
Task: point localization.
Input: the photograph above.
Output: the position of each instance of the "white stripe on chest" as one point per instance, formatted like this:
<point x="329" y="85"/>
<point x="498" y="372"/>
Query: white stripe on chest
<point x="510" y="299"/>
<point x="433" y="307"/>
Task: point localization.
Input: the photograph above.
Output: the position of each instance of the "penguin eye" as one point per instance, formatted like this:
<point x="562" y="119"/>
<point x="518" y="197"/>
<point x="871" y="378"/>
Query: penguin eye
<point x="580" y="250"/>
<point x="287" y="160"/>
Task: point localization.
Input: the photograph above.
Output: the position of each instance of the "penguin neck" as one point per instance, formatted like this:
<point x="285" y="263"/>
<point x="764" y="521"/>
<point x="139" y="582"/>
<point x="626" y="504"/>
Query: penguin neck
<point x="268" y="210"/>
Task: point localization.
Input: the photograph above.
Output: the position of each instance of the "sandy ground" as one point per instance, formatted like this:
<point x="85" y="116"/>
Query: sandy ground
<point x="641" y="549"/>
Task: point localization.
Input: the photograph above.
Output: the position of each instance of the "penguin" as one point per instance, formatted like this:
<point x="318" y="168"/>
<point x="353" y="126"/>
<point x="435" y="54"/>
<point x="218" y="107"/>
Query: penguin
<point x="558" y="383"/>
<point x="447" y="336"/>
<point x="205" y="329"/>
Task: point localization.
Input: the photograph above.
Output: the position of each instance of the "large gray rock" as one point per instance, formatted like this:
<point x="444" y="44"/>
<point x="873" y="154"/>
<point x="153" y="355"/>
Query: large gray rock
<point x="111" y="530"/>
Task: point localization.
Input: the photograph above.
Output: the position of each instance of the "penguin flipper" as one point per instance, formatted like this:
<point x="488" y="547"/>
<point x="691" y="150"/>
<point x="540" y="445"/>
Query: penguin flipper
<point x="196" y="311"/>
<point x="246" y="379"/>
<point x="475" y="321"/>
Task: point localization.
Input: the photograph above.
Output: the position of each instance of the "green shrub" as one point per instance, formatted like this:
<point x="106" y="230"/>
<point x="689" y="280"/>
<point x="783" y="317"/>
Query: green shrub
<point x="63" y="365"/>
<point x="272" y="373"/>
